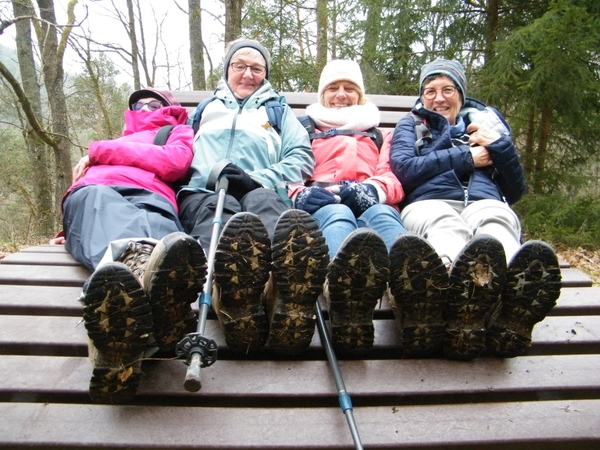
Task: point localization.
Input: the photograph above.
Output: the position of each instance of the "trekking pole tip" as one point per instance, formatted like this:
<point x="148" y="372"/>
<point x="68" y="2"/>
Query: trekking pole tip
<point x="193" y="381"/>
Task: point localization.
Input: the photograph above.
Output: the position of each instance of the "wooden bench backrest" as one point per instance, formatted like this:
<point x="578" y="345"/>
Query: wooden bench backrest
<point x="392" y="107"/>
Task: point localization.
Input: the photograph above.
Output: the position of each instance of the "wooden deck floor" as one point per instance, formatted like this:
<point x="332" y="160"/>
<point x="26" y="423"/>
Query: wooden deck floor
<point x="548" y="399"/>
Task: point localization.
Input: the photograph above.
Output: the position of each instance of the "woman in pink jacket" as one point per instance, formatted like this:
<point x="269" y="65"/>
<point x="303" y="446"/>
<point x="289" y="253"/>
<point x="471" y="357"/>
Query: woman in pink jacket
<point x="353" y="196"/>
<point x="120" y="220"/>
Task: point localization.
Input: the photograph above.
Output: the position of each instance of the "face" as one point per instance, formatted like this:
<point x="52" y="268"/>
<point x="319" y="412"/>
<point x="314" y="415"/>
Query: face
<point x="147" y="104"/>
<point x="340" y="94"/>
<point x="447" y="106"/>
<point x="245" y="82"/>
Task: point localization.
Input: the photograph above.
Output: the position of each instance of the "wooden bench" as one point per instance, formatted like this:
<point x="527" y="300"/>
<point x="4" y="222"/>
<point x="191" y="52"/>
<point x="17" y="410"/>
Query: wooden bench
<point x="547" y="399"/>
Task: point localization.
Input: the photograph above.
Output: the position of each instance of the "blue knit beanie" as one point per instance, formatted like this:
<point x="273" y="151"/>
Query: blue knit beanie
<point x="449" y="67"/>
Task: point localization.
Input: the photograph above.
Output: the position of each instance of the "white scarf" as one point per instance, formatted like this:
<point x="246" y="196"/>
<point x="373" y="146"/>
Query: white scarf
<point x="357" y="117"/>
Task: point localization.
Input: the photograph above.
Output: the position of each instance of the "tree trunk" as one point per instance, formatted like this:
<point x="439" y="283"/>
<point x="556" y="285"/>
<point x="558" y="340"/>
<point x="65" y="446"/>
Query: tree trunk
<point x="41" y="179"/>
<point x="322" y="11"/>
<point x="233" y="19"/>
<point x="52" y="55"/>
<point x="542" y="148"/>
<point x="196" y="45"/>
<point x="134" y="47"/>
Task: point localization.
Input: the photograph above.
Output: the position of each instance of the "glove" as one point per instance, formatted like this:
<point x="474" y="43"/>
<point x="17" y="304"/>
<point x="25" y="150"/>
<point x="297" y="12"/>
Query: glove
<point x="312" y="198"/>
<point x="240" y="183"/>
<point x="359" y="197"/>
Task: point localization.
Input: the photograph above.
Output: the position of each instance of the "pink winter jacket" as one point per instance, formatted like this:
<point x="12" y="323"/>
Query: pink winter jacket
<point x="133" y="160"/>
<point x="355" y="158"/>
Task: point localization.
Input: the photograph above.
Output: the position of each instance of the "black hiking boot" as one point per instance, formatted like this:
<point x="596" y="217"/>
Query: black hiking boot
<point x="242" y="266"/>
<point x="300" y="260"/>
<point x="533" y="284"/>
<point x="118" y="321"/>
<point x="356" y="280"/>
<point x="419" y="287"/>
<point x="477" y="278"/>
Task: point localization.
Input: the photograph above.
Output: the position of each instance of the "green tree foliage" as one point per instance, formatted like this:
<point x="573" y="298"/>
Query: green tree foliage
<point x="545" y="76"/>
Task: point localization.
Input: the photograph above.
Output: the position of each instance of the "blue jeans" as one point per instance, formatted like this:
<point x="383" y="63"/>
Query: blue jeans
<point x="337" y="222"/>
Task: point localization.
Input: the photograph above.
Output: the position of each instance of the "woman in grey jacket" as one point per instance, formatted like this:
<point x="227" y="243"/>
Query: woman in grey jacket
<point x="263" y="239"/>
<point x="460" y="178"/>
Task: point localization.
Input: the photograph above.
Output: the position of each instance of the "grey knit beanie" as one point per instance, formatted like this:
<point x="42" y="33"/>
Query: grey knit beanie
<point x="449" y="67"/>
<point x="243" y="43"/>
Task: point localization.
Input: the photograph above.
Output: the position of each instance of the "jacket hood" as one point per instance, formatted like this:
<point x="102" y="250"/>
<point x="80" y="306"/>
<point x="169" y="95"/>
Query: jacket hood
<point x="164" y="96"/>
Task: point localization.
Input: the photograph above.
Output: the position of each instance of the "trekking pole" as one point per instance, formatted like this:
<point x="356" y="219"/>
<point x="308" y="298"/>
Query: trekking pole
<point x="343" y="396"/>
<point x="199" y="350"/>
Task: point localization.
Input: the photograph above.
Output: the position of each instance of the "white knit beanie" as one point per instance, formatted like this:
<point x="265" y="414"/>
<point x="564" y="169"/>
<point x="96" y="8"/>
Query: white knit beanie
<point x="341" y="70"/>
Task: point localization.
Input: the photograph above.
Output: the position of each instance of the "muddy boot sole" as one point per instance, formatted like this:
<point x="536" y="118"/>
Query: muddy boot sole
<point x="242" y="266"/>
<point x="300" y="261"/>
<point x="118" y="321"/>
<point x="419" y="286"/>
<point x="477" y="278"/>
<point x="355" y="282"/>
<point x="533" y="285"/>
<point x="174" y="277"/>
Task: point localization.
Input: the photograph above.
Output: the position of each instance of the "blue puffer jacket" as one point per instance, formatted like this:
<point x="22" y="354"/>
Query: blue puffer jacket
<point x="436" y="170"/>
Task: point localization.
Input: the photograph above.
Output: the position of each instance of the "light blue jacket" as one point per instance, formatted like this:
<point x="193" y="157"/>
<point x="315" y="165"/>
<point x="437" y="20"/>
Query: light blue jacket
<point x="240" y="131"/>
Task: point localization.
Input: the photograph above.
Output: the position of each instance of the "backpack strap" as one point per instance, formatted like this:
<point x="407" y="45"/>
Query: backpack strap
<point x="373" y="133"/>
<point x="422" y="131"/>
<point x="275" y="110"/>
<point x="196" y="116"/>
<point x="160" y="138"/>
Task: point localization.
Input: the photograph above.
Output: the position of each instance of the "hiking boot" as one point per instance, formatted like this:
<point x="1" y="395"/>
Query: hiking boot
<point x="477" y="278"/>
<point x="300" y="260"/>
<point x="118" y="321"/>
<point x="419" y="286"/>
<point x="174" y="277"/>
<point x="241" y="270"/>
<point x="356" y="280"/>
<point x="533" y="284"/>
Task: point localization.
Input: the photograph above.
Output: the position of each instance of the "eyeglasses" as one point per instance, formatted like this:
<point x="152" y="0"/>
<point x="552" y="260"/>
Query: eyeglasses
<point x="447" y="92"/>
<point x="241" y="67"/>
<point x="152" y="105"/>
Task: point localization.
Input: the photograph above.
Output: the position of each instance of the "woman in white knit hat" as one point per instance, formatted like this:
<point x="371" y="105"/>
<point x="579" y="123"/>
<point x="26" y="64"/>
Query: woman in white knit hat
<point x="350" y="196"/>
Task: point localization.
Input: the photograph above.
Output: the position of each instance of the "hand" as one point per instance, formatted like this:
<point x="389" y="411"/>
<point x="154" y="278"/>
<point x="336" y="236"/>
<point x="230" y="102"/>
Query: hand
<point x="480" y="135"/>
<point x="81" y="168"/>
<point x="240" y="183"/>
<point x="481" y="156"/>
<point x="359" y="197"/>
<point x="57" y="240"/>
<point x="311" y="199"/>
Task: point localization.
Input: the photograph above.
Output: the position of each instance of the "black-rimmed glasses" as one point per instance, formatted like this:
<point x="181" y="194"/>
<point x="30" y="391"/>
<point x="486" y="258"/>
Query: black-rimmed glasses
<point x="152" y="105"/>
<point x="241" y="67"/>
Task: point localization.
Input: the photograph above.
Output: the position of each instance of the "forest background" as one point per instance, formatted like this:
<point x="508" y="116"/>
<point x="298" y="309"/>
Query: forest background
<point x="68" y="66"/>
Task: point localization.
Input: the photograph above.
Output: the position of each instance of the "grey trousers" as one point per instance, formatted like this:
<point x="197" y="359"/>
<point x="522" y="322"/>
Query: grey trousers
<point x="96" y="215"/>
<point x="448" y="225"/>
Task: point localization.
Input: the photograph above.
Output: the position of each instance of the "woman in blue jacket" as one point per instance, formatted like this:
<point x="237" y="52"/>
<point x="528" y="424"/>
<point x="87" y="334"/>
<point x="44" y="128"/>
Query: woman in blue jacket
<point x="460" y="172"/>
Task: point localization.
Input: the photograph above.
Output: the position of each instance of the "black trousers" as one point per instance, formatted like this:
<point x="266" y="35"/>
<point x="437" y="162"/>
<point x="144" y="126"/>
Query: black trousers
<point x="197" y="211"/>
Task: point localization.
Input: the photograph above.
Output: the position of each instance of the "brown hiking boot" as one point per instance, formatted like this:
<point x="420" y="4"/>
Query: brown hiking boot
<point x="172" y="273"/>
<point x="300" y="260"/>
<point x="419" y="287"/>
<point x="118" y="321"/>
<point x="532" y="287"/>
<point x="477" y="278"/>
<point x="356" y="280"/>
<point x="242" y="266"/>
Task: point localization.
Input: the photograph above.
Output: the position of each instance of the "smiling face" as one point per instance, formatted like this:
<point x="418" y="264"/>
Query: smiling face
<point x="245" y="82"/>
<point x="442" y="103"/>
<point x="340" y="94"/>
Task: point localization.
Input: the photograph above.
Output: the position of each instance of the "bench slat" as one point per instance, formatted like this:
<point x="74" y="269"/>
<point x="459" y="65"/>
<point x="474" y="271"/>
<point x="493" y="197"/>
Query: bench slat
<point x="62" y="335"/>
<point x="395" y="381"/>
<point x="566" y="425"/>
